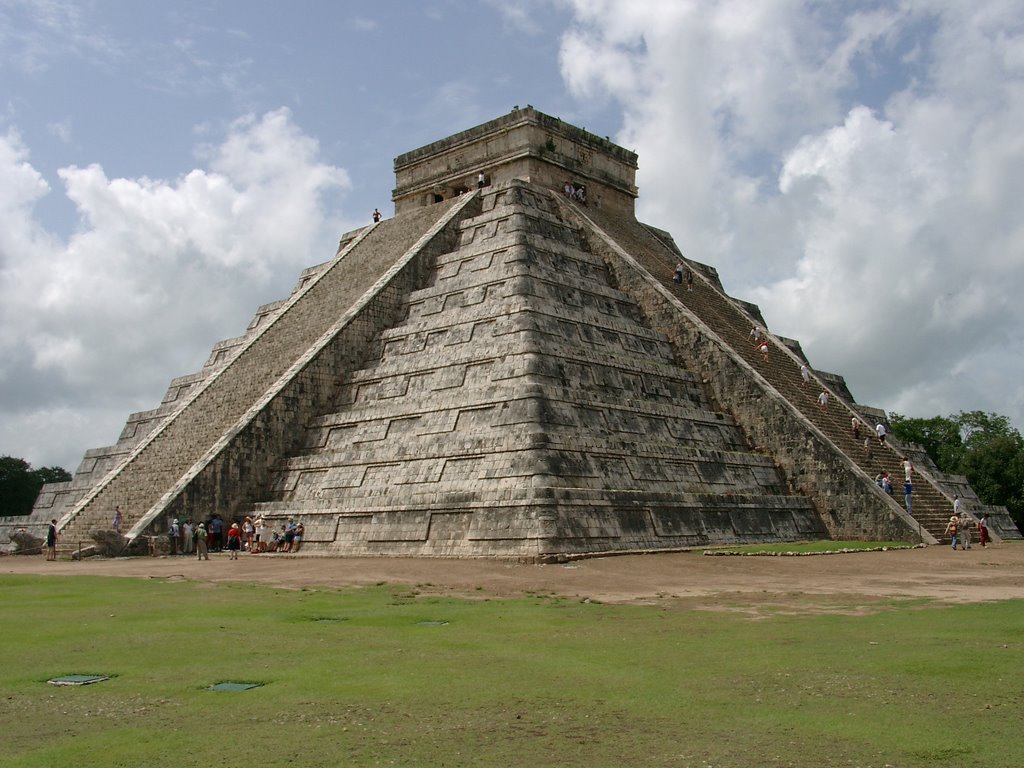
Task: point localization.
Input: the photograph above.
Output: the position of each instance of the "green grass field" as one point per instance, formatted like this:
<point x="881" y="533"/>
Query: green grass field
<point x="368" y="677"/>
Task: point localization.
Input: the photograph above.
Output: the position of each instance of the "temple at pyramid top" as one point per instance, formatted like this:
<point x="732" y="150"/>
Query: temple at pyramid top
<point x="510" y="366"/>
<point x="524" y="144"/>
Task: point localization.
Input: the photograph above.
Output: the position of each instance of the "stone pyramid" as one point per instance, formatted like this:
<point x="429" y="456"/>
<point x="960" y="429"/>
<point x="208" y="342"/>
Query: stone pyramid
<point x="505" y="370"/>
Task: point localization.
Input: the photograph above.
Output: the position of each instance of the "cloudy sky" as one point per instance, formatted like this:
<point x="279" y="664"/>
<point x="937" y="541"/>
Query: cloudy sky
<point x="855" y="168"/>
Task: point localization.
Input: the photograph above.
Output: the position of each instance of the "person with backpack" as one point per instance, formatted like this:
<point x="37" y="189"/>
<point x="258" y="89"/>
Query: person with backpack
<point x="952" y="528"/>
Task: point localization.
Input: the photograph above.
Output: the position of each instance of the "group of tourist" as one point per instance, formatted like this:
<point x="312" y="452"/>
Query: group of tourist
<point x="959" y="524"/>
<point x="576" y="192"/>
<point x="214" y="535"/>
<point x="959" y="527"/>
<point x="683" y="274"/>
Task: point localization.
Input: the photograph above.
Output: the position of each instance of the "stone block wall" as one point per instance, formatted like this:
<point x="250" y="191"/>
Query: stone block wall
<point x="523" y="408"/>
<point x="159" y="468"/>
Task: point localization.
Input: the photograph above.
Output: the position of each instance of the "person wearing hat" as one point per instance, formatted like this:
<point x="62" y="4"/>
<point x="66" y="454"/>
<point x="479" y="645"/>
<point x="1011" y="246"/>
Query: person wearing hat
<point x="202" y="551"/>
<point x="952" y="528"/>
<point x="234" y="541"/>
<point x="964" y="529"/>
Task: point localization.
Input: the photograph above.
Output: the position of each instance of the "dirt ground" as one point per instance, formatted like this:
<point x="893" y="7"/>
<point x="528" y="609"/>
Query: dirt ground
<point x="844" y="582"/>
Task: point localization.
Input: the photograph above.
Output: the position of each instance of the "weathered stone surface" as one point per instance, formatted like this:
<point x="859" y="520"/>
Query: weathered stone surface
<point x="24" y="543"/>
<point x="110" y="543"/>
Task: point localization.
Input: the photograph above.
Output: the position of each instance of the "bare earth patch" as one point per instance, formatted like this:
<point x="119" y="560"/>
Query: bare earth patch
<point x="849" y="583"/>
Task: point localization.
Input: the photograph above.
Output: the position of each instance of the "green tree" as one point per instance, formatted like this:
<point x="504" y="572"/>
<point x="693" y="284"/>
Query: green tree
<point x="20" y="484"/>
<point x="940" y="436"/>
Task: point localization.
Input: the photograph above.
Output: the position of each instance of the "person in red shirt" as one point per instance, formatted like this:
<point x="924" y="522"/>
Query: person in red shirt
<point x="234" y="541"/>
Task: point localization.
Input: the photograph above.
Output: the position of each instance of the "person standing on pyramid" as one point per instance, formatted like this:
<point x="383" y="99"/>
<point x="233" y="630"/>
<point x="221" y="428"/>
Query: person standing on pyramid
<point x="908" y="468"/>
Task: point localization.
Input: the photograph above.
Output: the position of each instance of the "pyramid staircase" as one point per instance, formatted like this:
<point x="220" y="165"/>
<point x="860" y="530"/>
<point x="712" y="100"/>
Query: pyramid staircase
<point x="733" y="323"/>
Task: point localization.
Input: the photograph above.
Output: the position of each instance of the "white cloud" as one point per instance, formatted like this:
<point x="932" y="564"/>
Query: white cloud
<point x="364" y="24"/>
<point x="61" y="129"/>
<point x="33" y="33"/>
<point x="156" y="273"/>
<point x="857" y="170"/>
<point x="527" y="16"/>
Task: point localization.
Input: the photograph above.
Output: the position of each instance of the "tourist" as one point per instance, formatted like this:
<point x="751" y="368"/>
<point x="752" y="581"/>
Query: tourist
<point x="216" y="534"/>
<point x="677" y="275"/>
<point x="202" y="548"/>
<point x="867" y="449"/>
<point x="908" y="489"/>
<point x="886" y="483"/>
<point x="805" y="374"/>
<point x="262" y="534"/>
<point x="823" y="400"/>
<point x="983" y="530"/>
<point x="51" y="540"/>
<point x="763" y="349"/>
<point x="855" y="424"/>
<point x="116" y="525"/>
<point x="376" y="215"/>
<point x="965" y="530"/>
<point x="880" y="431"/>
<point x="908" y="468"/>
<point x="234" y="541"/>
<point x="755" y="335"/>
<point x="689" y="279"/>
<point x="481" y="180"/>
<point x="300" y="531"/>
<point x="173" y="533"/>
<point x="187" y="537"/>
<point x="248" y="532"/>
<point x="952" y="529"/>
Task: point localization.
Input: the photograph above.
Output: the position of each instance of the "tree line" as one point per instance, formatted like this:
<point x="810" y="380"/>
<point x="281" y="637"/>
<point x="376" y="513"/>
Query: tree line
<point x="20" y="484"/>
<point x="984" y="447"/>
